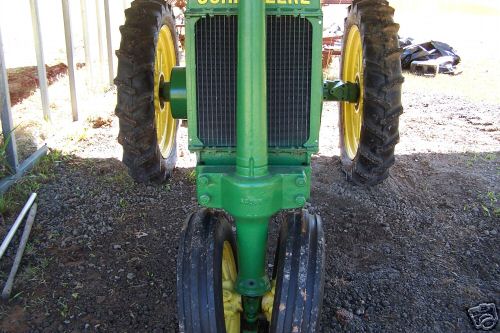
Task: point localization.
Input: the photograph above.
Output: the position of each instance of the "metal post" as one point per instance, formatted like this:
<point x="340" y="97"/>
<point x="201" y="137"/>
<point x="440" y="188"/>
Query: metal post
<point x="42" y="73"/>
<point x="16" y="224"/>
<point x="69" y="55"/>
<point x="251" y="143"/>
<point x="99" y="38"/>
<point x="8" y="134"/>
<point x="109" y="42"/>
<point x="24" y="167"/>
<point x="7" y="290"/>
<point x="86" y="42"/>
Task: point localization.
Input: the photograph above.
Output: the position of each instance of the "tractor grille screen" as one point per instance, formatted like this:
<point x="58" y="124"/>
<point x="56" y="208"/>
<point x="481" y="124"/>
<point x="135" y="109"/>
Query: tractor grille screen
<point x="289" y="60"/>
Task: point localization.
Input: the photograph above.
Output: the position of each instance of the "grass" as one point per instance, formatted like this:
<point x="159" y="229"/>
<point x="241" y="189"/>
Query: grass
<point x="16" y="196"/>
<point x="34" y="273"/>
<point x="63" y="307"/>
<point x="483" y="157"/>
<point x="121" y="178"/>
<point x="5" y="169"/>
<point x="191" y="177"/>
<point x="492" y="204"/>
<point x="123" y="203"/>
<point x="488" y="203"/>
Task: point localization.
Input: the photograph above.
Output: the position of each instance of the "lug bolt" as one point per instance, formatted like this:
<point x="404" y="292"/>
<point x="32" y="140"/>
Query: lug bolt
<point x="300" y="181"/>
<point x="300" y="200"/>
<point x="205" y="199"/>
<point x="203" y="180"/>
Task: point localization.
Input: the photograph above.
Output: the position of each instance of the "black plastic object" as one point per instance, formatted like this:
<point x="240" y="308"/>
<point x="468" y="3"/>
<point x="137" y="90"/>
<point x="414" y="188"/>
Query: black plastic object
<point x="444" y="54"/>
<point x="299" y="271"/>
<point x="199" y="272"/>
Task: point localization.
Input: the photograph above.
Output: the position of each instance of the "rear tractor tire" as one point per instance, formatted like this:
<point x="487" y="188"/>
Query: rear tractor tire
<point x="370" y="57"/>
<point x="148" y="52"/>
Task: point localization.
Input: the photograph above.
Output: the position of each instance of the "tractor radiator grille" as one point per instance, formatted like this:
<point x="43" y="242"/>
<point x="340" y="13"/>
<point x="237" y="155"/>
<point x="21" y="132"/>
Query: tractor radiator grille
<point x="289" y="60"/>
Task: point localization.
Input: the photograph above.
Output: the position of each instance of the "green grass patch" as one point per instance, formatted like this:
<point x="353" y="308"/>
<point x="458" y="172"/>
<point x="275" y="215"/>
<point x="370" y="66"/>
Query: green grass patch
<point x="192" y="176"/>
<point x="490" y="204"/>
<point x="5" y="169"/>
<point x="12" y="201"/>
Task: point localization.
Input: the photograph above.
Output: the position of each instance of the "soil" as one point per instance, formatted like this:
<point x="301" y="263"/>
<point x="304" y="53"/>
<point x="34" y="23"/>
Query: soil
<point x="23" y="81"/>
<point x="409" y="255"/>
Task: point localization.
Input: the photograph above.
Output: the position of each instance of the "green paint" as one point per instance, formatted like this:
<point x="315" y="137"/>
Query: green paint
<point x="255" y="193"/>
<point x="253" y="197"/>
<point x="252" y="181"/>
<point x="194" y="143"/>
<point x="282" y="5"/>
<point x="254" y="304"/>
<point x="340" y="91"/>
<point x="251" y="109"/>
<point x="252" y="239"/>
<point x="177" y="93"/>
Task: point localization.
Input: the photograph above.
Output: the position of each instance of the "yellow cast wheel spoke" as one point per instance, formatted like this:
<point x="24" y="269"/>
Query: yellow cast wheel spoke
<point x="165" y="60"/>
<point x="232" y="300"/>
<point x="268" y="301"/>
<point x="352" y="71"/>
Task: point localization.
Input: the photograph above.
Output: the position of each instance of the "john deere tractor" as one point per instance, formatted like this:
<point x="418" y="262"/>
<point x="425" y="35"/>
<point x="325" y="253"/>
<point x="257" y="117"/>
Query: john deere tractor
<point x="252" y="93"/>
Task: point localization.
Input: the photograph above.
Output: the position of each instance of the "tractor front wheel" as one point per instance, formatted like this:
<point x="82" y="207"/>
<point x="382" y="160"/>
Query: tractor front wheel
<point x="371" y="58"/>
<point x="298" y="275"/>
<point x="148" y="52"/>
<point x="206" y="275"/>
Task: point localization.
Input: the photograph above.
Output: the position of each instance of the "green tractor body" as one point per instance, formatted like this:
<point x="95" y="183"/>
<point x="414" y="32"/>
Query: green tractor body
<point x="252" y="93"/>
<point x="254" y="107"/>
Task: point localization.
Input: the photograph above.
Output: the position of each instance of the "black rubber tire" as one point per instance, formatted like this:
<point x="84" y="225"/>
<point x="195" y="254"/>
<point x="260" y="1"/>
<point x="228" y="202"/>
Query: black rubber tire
<point x="382" y="92"/>
<point x="299" y="271"/>
<point x="135" y="84"/>
<point x="199" y="272"/>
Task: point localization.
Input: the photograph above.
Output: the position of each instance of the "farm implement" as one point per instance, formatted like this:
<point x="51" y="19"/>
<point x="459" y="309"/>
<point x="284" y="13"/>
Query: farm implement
<point x="252" y="91"/>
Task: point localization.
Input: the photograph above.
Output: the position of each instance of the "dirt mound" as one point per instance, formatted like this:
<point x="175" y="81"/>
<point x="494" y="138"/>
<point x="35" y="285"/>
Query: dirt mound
<point x="23" y="81"/>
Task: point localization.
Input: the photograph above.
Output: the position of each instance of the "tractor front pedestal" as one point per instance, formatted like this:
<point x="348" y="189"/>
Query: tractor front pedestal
<point x="252" y="191"/>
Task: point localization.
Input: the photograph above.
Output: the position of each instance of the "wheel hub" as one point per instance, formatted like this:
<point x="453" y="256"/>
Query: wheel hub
<point x="268" y="302"/>
<point x="353" y="112"/>
<point x="165" y="60"/>
<point x="231" y="299"/>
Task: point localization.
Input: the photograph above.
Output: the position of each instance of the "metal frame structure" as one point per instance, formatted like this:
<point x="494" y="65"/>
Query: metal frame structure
<point x="42" y="73"/>
<point x="8" y="130"/>
<point x="7" y="125"/>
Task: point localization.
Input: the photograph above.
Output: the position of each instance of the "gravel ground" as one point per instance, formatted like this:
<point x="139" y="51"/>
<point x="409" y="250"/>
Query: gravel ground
<point x="410" y="255"/>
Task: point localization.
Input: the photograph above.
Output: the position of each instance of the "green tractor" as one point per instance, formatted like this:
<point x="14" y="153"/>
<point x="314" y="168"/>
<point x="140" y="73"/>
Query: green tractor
<point x="252" y="93"/>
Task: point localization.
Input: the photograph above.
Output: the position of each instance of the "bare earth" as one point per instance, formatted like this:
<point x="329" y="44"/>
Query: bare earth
<point x="410" y="255"/>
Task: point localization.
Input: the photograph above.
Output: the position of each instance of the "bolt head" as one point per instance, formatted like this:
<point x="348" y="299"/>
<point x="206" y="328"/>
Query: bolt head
<point x="300" y="200"/>
<point x="300" y="181"/>
<point x="204" y="199"/>
<point x="203" y="180"/>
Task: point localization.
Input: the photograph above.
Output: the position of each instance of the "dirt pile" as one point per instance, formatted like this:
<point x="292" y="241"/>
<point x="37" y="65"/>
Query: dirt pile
<point x="23" y="81"/>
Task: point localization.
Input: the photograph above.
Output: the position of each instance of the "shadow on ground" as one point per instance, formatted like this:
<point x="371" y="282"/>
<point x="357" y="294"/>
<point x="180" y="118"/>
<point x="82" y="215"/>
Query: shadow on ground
<point x="409" y="255"/>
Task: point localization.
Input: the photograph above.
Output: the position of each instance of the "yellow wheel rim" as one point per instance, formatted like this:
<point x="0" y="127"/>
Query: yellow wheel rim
<point x="268" y="302"/>
<point x="352" y="71"/>
<point x="165" y="60"/>
<point x="232" y="300"/>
